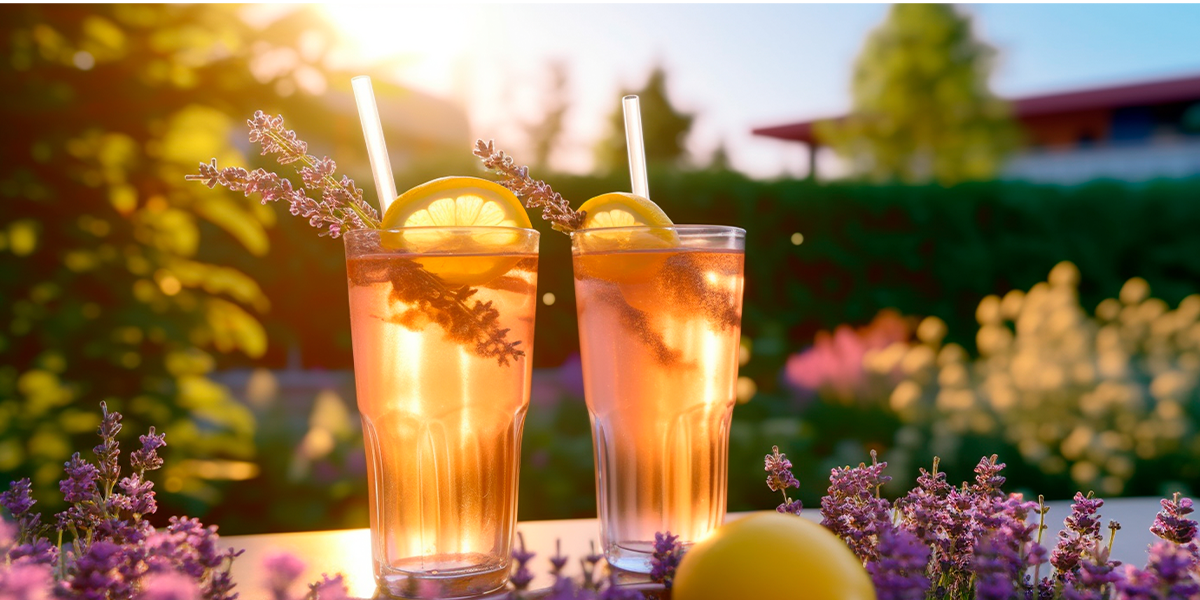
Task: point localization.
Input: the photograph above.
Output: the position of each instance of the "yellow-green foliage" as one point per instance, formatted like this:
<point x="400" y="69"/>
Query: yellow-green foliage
<point x="1089" y="394"/>
<point x="116" y="276"/>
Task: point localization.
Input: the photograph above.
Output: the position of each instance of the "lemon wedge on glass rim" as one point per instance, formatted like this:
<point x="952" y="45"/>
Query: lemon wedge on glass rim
<point x="620" y="211"/>
<point x="456" y="202"/>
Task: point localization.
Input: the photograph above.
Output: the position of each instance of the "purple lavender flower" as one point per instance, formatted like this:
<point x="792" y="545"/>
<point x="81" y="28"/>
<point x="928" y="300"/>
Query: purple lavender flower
<point x="564" y="588"/>
<point x="1174" y="567"/>
<point x="28" y="545"/>
<point x="667" y="554"/>
<point x="329" y="588"/>
<point x="80" y="484"/>
<point x="1071" y="592"/>
<point x="588" y="564"/>
<point x="612" y="591"/>
<point x="115" y="553"/>
<point x="36" y="552"/>
<point x="25" y="582"/>
<point x="522" y="576"/>
<point x="1097" y="573"/>
<point x="108" y="452"/>
<point x="793" y="507"/>
<point x="780" y="478"/>
<point x="1082" y="529"/>
<point x="853" y="509"/>
<point x="1137" y="584"/>
<point x="1172" y="524"/>
<point x="97" y="574"/>
<point x="1045" y="589"/>
<point x="987" y="477"/>
<point x="146" y="458"/>
<point x="341" y="205"/>
<point x="997" y="566"/>
<point x="138" y="496"/>
<point x="169" y="586"/>
<point x="282" y="568"/>
<point x="899" y="573"/>
<point x="558" y="561"/>
<point x="923" y="512"/>
<point x="779" y="471"/>
<point x="189" y="547"/>
<point x="19" y="498"/>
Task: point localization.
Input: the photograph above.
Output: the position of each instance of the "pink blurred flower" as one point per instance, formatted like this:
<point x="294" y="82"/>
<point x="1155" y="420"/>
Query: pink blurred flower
<point x="834" y="363"/>
<point x="282" y="570"/>
<point x="25" y="582"/>
<point x="171" y="585"/>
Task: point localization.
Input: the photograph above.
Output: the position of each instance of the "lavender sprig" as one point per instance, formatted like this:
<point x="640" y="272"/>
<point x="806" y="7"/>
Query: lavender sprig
<point x="521" y="576"/>
<point x="106" y="549"/>
<point x="780" y="478"/>
<point x="535" y="193"/>
<point x="341" y="206"/>
<point x="565" y="587"/>
<point x="899" y="574"/>
<point x="558" y="561"/>
<point x="668" y="552"/>
<point x="976" y="542"/>
<point x="146" y="458"/>
<point x="1172" y="523"/>
<point x="854" y="510"/>
<point x="923" y="511"/>
<point x="1082" y="529"/>
<point x="588" y="565"/>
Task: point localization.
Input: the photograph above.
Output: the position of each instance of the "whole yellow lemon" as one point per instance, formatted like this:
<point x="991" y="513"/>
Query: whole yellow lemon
<point x="773" y="556"/>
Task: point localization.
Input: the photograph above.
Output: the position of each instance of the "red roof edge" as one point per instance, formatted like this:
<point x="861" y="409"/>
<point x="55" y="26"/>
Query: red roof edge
<point x="1134" y="94"/>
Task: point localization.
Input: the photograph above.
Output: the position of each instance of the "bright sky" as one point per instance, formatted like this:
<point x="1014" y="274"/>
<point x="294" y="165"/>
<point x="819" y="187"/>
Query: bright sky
<point x="736" y="66"/>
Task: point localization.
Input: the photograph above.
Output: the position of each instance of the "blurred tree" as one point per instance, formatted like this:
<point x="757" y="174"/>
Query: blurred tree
<point x="545" y="133"/>
<point x="114" y="272"/>
<point x="720" y="158"/>
<point x="665" y="128"/>
<point x="922" y="107"/>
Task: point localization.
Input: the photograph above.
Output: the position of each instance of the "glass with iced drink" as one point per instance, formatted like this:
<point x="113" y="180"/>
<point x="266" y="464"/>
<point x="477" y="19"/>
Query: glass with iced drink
<point x="659" y="325"/>
<point x="442" y="323"/>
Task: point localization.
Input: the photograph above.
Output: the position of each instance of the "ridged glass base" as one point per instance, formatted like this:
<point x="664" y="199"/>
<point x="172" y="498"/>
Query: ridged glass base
<point x="449" y="581"/>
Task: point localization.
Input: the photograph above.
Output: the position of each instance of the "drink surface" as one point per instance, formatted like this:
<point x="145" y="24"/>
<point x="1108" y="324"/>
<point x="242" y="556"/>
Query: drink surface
<point x="659" y="336"/>
<point x="441" y="422"/>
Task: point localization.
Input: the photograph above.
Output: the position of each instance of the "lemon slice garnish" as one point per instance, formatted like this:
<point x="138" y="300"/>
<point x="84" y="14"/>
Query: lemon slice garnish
<point x="622" y="209"/>
<point x="456" y="202"/>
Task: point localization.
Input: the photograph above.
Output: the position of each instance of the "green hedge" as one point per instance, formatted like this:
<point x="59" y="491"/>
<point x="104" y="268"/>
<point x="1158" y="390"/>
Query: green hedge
<point x="922" y="250"/>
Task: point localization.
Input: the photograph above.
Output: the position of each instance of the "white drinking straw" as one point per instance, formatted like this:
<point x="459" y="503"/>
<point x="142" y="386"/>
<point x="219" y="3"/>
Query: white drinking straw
<point x="636" y="145"/>
<point x="381" y="166"/>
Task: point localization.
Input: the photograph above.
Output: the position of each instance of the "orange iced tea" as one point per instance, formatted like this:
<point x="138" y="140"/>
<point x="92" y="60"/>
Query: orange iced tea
<point x="442" y="391"/>
<point x="659" y="327"/>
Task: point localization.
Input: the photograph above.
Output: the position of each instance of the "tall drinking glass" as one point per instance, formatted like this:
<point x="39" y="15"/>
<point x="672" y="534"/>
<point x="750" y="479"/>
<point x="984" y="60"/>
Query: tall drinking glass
<point x="659" y="331"/>
<point x="443" y="392"/>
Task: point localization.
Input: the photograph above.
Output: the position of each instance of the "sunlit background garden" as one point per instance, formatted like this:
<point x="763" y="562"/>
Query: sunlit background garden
<point x="967" y="233"/>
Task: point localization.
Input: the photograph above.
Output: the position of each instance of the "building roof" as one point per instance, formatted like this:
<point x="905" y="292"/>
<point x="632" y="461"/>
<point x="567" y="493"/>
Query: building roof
<point x="1135" y="94"/>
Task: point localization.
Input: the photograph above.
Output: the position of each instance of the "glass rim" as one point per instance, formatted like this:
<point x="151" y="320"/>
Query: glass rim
<point x="446" y="229"/>
<point x="715" y="229"/>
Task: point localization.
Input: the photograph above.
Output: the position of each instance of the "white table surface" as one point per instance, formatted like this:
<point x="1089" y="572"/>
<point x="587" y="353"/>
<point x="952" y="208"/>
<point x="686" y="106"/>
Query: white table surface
<point x="349" y="551"/>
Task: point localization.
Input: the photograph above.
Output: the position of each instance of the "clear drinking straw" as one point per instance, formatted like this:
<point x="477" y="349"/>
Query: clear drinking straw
<point x="381" y="166"/>
<point x="636" y="145"/>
